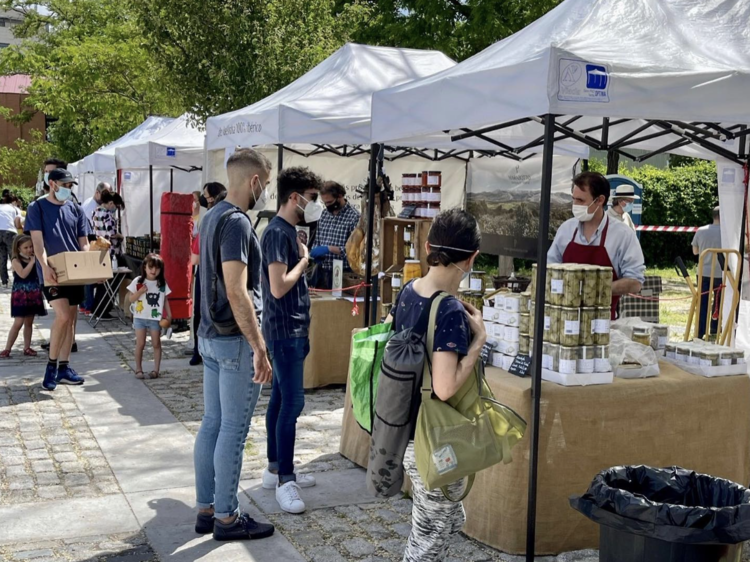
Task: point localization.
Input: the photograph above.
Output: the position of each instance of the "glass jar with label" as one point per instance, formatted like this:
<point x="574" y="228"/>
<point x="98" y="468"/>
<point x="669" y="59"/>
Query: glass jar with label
<point x="738" y="357"/>
<point x="523" y="344"/>
<point x="523" y="323"/>
<point x="585" y="359"/>
<point x="669" y="350"/>
<point x="551" y="357"/>
<point x="588" y="316"/>
<point x="601" y="326"/>
<point x="694" y="356"/>
<point x="523" y="301"/>
<point x="532" y="285"/>
<point x="709" y="358"/>
<point x="589" y="284"/>
<point x="659" y="336"/>
<point x="642" y="335"/>
<point x="556" y="284"/>
<point x="568" y="361"/>
<point x="601" y="359"/>
<point x="682" y="352"/>
<point x="552" y="323"/>
<point x="572" y="279"/>
<point x="604" y="287"/>
<point x="570" y="326"/>
<point x="476" y="281"/>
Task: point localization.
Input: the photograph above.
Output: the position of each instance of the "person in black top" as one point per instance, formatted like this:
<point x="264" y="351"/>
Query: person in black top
<point x="452" y="246"/>
<point x="286" y="320"/>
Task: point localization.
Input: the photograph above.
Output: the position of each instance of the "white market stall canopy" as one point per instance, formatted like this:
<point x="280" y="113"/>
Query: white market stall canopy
<point x="103" y="160"/>
<point x="672" y="65"/>
<point x="178" y="144"/>
<point x="328" y="105"/>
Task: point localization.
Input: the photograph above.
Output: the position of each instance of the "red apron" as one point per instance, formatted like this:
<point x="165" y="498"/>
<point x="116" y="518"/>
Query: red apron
<point x="592" y="255"/>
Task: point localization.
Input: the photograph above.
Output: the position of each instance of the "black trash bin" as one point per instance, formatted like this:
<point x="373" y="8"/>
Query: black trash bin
<point x="666" y="515"/>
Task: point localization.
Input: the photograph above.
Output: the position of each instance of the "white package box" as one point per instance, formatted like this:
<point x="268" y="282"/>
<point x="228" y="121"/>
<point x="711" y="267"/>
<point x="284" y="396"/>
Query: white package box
<point x="500" y="301"/>
<point x="512" y="318"/>
<point x="497" y="359"/>
<point x="508" y="348"/>
<point x="507" y="362"/>
<point x="511" y="333"/>
<point x="498" y="331"/>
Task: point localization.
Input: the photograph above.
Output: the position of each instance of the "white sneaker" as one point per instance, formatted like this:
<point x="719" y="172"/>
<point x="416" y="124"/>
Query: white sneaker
<point x="271" y="480"/>
<point x="289" y="499"/>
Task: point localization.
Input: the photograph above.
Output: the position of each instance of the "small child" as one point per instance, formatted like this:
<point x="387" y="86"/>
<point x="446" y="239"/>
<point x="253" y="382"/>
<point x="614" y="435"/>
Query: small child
<point x="26" y="298"/>
<point x="148" y="293"/>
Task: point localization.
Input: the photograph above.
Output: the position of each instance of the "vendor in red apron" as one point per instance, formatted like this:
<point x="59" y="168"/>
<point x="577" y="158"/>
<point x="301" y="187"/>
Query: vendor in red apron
<point x="590" y="237"/>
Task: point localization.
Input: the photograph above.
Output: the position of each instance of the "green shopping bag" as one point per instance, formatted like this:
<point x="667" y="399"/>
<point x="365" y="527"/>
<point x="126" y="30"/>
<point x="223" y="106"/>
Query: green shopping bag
<point x="368" y="347"/>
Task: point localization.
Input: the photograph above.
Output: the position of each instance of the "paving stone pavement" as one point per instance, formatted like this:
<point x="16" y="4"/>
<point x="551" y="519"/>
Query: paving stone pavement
<point x="48" y="452"/>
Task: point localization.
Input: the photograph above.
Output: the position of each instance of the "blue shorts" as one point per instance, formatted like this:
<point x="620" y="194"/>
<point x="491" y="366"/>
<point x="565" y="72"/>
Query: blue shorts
<point x="146" y="324"/>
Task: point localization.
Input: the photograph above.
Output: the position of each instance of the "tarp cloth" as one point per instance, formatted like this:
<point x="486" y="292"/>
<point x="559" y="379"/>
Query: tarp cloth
<point x="675" y="419"/>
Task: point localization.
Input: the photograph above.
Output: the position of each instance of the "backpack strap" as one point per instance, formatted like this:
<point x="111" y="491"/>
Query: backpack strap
<point x="217" y="275"/>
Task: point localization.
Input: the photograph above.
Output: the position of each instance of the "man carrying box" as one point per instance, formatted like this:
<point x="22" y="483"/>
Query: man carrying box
<point x="58" y="225"/>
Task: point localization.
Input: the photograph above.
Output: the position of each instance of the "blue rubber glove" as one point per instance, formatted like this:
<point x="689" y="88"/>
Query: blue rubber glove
<point x="319" y="252"/>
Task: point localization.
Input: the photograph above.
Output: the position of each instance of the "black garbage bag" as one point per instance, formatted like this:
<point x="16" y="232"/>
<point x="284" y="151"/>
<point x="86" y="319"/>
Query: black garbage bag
<point x="670" y="504"/>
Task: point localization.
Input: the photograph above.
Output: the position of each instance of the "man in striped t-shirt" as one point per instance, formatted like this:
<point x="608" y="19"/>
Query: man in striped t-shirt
<point x="286" y="320"/>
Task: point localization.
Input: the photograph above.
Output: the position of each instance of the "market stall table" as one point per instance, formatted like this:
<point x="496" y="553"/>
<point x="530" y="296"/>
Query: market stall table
<point x="331" y="325"/>
<point x="676" y="419"/>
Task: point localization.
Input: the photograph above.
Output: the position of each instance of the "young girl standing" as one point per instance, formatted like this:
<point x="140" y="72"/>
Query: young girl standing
<point x="148" y="293"/>
<point x="26" y="299"/>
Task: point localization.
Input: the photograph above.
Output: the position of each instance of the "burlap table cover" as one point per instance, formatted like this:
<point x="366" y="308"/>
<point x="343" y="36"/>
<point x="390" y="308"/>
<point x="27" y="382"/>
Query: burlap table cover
<point x="675" y="419"/>
<point x="331" y="325"/>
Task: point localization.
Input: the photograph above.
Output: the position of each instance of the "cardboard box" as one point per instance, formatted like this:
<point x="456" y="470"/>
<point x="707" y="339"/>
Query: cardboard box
<point x="81" y="268"/>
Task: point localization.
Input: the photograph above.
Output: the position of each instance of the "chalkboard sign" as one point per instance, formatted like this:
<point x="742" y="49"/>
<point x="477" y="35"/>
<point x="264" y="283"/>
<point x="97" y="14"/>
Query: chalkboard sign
<point x="407" y="212"/>
<point x="521" y="366"/>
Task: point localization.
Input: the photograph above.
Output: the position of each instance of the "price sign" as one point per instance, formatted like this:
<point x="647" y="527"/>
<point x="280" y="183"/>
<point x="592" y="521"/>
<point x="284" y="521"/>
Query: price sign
<point x="521" y="366"/>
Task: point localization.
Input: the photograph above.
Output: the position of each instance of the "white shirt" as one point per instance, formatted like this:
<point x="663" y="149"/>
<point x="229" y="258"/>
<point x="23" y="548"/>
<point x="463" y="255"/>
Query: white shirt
<point x="622" y="246"/>
<point x="8" y="214"/>
<point x="89" y="206"/>
<point x="624" y="218"/>
<point x="151" y="304"/>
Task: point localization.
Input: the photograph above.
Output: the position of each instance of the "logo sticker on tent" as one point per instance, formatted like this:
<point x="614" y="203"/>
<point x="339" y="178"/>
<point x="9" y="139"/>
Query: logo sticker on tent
<point x="127" y="175"/>
<point x="580" y="81"/>
<point x="171" y="152"/>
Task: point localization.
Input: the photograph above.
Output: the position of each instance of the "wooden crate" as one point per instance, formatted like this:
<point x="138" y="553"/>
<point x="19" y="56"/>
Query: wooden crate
<point x="392" y="248"/>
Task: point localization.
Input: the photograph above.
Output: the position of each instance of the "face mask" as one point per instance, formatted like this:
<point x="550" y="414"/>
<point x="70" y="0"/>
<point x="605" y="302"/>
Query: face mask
<point x="46" y="178"/>
<point x="203" y="201"/>
<point x="628" y="208"/>
<point x="333" y="207"/>
<point x="313" y="210"/>
<point x="581" y="212"/>
<point x="465" y="273"/>
<point x="260" y="202"/>
<point x="63" y="193"/>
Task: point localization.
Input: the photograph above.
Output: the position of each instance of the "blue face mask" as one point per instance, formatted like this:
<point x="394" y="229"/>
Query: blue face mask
<point x="63" y="193"/>
<point x="46" y="178"/>
<point x="629" y="208"/>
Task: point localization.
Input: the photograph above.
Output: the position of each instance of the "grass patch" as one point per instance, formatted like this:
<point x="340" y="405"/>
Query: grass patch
<point x="250" y="448"/>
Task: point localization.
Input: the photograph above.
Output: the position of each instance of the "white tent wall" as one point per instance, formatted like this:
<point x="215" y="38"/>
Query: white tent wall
<point x="135" y="192"/>
<point x="352" y="172"/>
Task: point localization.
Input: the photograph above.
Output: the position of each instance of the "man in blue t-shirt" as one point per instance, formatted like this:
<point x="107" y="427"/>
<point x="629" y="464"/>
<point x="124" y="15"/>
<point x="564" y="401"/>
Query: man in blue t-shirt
<point x="286" y="320"/>
<point x="56" y="225"/>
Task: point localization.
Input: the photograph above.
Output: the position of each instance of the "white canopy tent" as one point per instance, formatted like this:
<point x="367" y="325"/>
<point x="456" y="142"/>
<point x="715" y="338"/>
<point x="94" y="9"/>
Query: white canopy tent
<point x="664" y="75"/>
<point x="167" y="160"/>
<point x="101" y="165"/>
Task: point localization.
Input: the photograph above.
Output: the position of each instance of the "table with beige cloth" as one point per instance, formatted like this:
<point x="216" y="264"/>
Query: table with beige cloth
<point x="702" y="424"/>
<point x="331" y="325"/>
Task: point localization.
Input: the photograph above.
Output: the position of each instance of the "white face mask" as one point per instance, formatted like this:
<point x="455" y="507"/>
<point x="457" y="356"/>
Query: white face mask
<point x="313" y="210"/>
<point x="581" y="212"/>
<point x="63" y="193"/>
<point x="46" y="178"/>
<point x="465" y="273"/>
<point x="260" y="202"/>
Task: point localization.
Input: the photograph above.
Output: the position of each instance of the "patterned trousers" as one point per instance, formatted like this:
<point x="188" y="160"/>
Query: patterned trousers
<point x="435" y="519"/>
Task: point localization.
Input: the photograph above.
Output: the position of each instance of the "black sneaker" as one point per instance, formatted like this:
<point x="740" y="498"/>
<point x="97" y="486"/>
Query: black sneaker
<point x="45" y="345"/>
<point x="204" y="524"/>
<point x="243" y="528"/>
<point x="196" y="360"/>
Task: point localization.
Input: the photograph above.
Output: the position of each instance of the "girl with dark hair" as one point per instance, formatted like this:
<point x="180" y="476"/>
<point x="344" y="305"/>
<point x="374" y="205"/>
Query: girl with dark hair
<point x="26" y="299"/>
<point x="213" y="192"/>
<point x="452" y="246"/>
<point x="148" y="293"/>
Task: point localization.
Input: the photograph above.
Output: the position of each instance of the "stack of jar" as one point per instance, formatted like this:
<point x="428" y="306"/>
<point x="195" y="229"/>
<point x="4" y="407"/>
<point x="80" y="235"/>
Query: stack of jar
<point x="576" y="318"/>
<point x="704" y="354"/>
<point x="411" y="189"/>
<point x="507" y="322"/>
<point x="422" y="191"/>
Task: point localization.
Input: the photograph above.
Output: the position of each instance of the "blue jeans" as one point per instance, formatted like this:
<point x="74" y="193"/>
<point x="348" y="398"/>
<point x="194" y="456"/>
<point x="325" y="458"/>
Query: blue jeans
<point x="286" y="403"/>
<point x="705" y="313"/>
<point x="88" y="304"/>
<point x="229" y="398"/>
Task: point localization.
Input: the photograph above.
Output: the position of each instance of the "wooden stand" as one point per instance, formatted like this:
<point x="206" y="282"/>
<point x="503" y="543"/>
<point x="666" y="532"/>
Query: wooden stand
<point x="392" y="250"/>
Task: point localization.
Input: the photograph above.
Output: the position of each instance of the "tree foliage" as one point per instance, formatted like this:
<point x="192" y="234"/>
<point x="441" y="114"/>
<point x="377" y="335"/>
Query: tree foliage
<point x="230" y="53"/>
<point x="459" y="28"/>
<point x="20" y="164"/>
<point x="90" y="70"/>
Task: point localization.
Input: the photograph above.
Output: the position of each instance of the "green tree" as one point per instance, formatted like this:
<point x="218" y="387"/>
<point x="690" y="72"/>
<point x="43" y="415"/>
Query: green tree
<point x="231" y="53"/>
<point x="89" y="68"/>
<point x="459" y="28"/>
<point x="20" y="164"/>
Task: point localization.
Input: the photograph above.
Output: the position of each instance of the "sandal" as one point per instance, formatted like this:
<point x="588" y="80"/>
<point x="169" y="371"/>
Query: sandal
<point x="28" y="352"/>
<point x="153" y="375"/>
<point x="140" y="375"/>
<point x="5" y="354"/>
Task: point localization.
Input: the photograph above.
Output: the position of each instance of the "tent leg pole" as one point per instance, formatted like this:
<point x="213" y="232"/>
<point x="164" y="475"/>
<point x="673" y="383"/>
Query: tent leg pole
<point x="171" y="180"/>
<point x="536" y="387"/>
<point x="280" y="158"/>
<point x="151" y="205"/>
<point x="743" y="232"/>
<point x="370" y="227"/>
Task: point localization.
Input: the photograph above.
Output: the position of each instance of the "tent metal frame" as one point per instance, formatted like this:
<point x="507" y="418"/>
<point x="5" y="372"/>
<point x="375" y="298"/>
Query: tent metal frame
<point x="687" y="133"/>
